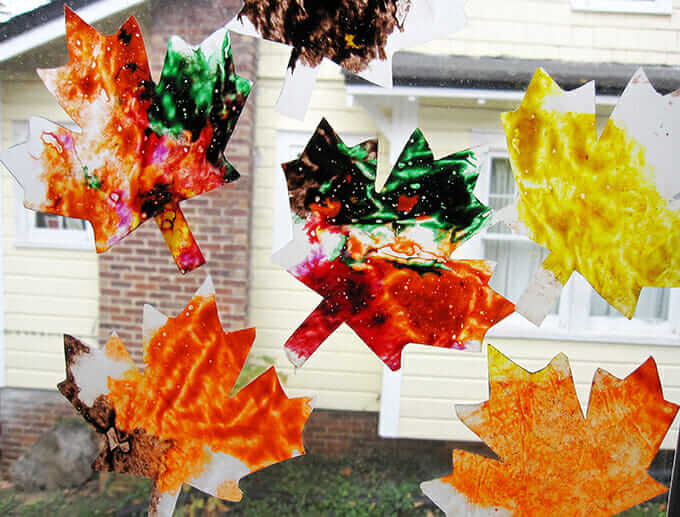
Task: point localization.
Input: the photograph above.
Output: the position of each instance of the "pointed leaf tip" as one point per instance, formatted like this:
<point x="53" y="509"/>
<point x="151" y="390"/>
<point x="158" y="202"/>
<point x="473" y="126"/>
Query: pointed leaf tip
<point x="207" y="288"/>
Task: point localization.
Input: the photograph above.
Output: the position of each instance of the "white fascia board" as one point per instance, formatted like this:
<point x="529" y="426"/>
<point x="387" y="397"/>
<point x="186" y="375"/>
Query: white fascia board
<point x="362" y="90"/>
<point x="56" y="28"/>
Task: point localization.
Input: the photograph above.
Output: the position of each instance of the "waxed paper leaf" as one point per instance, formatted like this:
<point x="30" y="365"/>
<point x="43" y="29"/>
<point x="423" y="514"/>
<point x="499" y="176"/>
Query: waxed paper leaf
<point x="360" y="36"/>
<point x="142" y="147"/>
<point x="608" y="207"/>
<point x="552" y="460"/>
<point x="176" y="421"/>
<point x="381" y="259"/>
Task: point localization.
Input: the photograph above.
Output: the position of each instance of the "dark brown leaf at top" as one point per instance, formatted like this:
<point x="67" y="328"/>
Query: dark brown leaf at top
<point x="350" y="32"/>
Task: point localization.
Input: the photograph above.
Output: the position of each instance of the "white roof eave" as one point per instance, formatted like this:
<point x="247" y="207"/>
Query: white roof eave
<point x="56" y="28"/>
<point x="446" y="92"/>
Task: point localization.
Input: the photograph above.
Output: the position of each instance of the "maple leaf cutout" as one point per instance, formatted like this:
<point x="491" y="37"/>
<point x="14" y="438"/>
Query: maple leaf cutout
<point x="381" y="260"/>
<point x="359" y="36"/>
<point x="176" y="422"/>
<point x="604" y="207"/>
<point x="552" y="460"/>
<point x="142" y="147"/>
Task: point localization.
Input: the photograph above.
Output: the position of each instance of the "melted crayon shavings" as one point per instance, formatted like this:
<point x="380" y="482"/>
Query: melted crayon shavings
<point x="176" y="422"/>
<point x="381" y="259"/>
<point x="142" y="147"/>
<point x="593" y="203"/>
<point x="553" y="461"/>
<point x="350" y="32"/>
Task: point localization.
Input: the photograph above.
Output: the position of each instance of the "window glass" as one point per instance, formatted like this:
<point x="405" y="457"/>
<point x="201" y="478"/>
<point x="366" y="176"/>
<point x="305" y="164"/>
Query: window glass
<point x="516" y="257"/>
<point x="47" y="230"/>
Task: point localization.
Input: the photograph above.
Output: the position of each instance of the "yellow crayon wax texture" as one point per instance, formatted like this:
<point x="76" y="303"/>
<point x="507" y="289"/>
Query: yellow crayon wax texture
<point x="593" y="204"/>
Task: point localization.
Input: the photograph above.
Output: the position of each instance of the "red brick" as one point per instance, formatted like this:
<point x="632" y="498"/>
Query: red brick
<point x="140" y="269"/>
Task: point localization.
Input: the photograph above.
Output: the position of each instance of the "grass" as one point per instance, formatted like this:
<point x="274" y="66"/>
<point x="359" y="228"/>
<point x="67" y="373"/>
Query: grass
<point x="363" y="485"/>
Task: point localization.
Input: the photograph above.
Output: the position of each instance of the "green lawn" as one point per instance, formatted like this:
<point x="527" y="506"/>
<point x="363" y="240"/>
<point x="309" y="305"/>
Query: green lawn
<point x="306" y="486"/>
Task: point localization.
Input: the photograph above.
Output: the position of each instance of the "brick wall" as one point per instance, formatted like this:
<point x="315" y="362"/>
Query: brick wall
<point x="24" y="415"/>
<point x="337" y="433"/>
<point x="27" y="413"/>
<point x="140" y="269"/>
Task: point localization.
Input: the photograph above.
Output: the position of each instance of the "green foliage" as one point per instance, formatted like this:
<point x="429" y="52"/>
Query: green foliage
<point x="358" y="486"/>
<point x="96" y="498"/>
<point x="646" y="510"/>
<point x="367" y="485"/>
<point x="256" y="365"/>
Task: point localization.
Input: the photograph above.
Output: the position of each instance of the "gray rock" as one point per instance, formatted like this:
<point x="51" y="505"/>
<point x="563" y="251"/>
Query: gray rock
<point x="60" y="458"/>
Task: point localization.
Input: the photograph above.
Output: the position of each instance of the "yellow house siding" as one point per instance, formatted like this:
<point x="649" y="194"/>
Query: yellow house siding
<point x="553" y="30"/>
<point x="47" y="292"/>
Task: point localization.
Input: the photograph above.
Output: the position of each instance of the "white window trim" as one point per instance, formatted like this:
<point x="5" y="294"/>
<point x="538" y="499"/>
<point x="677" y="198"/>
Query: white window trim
<point x="573" y="321"/>
<point x="28" y="235"/>
<point x="664" y="7"/>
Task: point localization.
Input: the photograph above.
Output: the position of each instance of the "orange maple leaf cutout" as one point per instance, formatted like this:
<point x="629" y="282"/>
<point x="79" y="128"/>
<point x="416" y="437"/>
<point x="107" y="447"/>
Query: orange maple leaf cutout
<point x="176" y="422"/>
<point x="142" y="147"/>
<point x="553" y="461"/>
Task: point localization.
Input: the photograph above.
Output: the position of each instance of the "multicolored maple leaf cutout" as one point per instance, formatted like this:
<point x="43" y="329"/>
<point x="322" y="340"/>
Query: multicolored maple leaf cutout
<point x="381" y="260"/>
<point x="605" y="207"/>
<point x="553" y="461"/>
<point x="361" y="36"/>
<point x="176" y="421"/>
<point x="143" y="147"/>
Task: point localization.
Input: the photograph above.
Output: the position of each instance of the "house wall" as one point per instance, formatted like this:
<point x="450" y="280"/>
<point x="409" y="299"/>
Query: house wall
<point x="343" y="372"/>
<point x="141" y="269"/>
<point x="433" y="381"/>
<point x="47" y="291"/>
<point x="112" y="287"/>
<point x="540" y="29"/>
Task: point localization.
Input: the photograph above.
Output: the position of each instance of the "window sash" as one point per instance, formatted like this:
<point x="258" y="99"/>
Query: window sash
<point x="573" y="318"/>
<point x="28" y="233"/>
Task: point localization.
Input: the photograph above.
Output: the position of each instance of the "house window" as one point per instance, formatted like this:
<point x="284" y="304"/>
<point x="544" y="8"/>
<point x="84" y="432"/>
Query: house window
<point x="516" y="256"/>
<point x="624" y="6"/>
<point x="580" y="313"/>
<point x="42" y="230"/>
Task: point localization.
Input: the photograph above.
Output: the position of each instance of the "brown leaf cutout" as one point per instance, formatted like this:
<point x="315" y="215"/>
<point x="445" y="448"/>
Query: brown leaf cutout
<point x="553" y="460"/>
<point x="176" y="422"/>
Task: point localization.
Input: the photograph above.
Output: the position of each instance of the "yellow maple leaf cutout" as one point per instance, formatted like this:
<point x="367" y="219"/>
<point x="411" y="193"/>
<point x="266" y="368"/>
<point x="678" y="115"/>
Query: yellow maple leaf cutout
<point x="553" y="461"/>
<point x="176" y="422"/>
<point x="596" y="204"/>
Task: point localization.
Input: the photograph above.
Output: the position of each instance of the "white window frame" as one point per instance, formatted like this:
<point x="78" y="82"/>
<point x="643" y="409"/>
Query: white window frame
<point x="664" y="7"/>
<point x="285" y="139"/>
<point x="573" y="321"/>
<point x="28" y="235"/>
